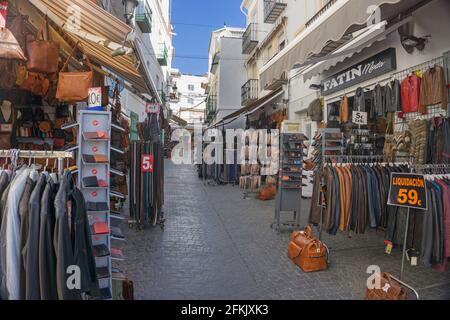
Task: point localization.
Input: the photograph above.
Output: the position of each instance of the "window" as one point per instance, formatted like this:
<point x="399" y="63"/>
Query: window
<point x="282" y="45"/>
<point x="191" y="87"/>
<point x="190" y="101"/>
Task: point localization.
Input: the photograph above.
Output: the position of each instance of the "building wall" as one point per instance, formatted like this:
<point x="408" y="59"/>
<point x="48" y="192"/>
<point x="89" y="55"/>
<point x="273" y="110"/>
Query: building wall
<point x="232" y="76"/>
<point x="189" y="99"/>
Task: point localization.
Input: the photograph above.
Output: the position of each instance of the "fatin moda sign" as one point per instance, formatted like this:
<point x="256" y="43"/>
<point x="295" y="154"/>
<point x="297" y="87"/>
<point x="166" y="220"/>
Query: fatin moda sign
<point x="379" y="64"/>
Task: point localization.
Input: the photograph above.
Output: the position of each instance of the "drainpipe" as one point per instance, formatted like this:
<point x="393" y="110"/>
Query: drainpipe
<point x="242" y="10"/>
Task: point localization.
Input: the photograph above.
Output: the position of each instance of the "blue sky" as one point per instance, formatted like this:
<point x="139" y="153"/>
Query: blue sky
<point x="193" y="22"/>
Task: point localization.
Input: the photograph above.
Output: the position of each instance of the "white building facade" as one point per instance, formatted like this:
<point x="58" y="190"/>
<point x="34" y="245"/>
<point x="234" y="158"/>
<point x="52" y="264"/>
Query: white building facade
<point x="226" y="73"/>
<point x="187" y="96"/>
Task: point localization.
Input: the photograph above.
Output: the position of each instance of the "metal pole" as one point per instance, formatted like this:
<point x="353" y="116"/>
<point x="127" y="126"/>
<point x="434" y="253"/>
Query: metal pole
<point x="322" y="195"/>
<point x="404" y="244"/>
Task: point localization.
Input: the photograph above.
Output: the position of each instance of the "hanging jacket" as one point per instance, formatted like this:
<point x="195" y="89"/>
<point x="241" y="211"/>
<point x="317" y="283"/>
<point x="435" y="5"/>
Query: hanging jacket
<point x="379" y="102"/>
<point x="392" y="97"/>
<point x="63" y="240"/>
<point x="13" y="254"/>
<point x="3" y="290"/>
<point x="47" y="257"/>
<point x="24" y="227"/>
<point x="31" y="252"/>
<point x="359" y="103"/>
<point x="433" y="89"/>
<point x="410" y="89"/>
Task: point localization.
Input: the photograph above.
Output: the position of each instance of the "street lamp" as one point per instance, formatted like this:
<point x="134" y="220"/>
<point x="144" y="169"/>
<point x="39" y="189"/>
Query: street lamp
<point x="130" y="7"/>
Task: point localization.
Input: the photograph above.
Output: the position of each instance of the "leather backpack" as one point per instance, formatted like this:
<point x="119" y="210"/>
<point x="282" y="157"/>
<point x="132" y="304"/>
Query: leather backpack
<point x="74" y="86"/>
<point x="43" y="55"/>
<point x="308" y="253"/>
<point x="389" y="290"/>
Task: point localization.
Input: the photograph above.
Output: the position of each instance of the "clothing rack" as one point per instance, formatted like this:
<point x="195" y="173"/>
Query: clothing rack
<point x="34" y="154"/>
<point x="420" y="67"/>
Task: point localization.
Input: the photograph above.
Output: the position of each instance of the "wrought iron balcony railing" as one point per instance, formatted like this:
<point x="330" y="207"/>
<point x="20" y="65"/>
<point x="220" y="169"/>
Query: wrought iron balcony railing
<point x="273" y="10"/>
<point x="249" y="92"/>
<point x="249" y="40"/>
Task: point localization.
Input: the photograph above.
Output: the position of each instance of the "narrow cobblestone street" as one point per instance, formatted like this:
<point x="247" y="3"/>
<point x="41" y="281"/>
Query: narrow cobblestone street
<point x="217" y="245"/>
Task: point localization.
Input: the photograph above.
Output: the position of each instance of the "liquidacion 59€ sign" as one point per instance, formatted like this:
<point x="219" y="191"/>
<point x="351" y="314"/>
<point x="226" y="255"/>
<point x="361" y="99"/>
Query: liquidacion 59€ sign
<point x="408" y="190"/>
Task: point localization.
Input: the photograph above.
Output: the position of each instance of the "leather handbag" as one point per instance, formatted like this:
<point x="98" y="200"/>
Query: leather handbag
<point x="36" y="83"/>
<point x="43" y="55"/>
<point x="9" y="47"/>
<point x="389" y="290"/>
<point x="128" y="290"/>
<point x="74" y="86"/>
<point x="306" y="252"/>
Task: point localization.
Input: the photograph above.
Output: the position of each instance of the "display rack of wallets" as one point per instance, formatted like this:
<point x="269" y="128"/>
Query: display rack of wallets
<point x="94" y="180"/>
<point x="289" y="195"/>
<point x="361" y="142"/>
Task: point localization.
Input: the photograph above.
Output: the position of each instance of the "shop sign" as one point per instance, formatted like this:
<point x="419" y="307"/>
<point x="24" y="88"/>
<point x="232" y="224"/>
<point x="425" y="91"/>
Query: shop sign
<point x="3" y="13"/>
<point x="95" y="97"/>
<point x="152" y="107"/>
<point x="147" y="163"/>
<point x="408" y="191"/>
<point x="378" y="65"/>
<point x="359" y="118"/>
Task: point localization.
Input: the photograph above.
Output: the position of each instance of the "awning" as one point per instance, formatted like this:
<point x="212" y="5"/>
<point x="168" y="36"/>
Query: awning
<point x="178" y="120"/>
<point x="99" y="33"/>
<point x="364" y="40"/>
<point x="342" y="18"/>
<point x="255" y="105"/>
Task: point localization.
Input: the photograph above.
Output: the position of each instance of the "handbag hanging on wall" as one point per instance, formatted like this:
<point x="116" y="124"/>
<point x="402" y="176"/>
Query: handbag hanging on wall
<point x="43" y="55"/>
<point x="74" y="86"/>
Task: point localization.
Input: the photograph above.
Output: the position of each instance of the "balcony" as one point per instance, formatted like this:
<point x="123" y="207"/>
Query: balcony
<point x="211" y="106"/>
<point x="163" y="56"/>
<point x="174" y="97"/>
<point x="249" y="92"/>
<point x="322" y="11"/>
<point x="249" y="39"/>
<point x="143" y="17"/>
<point x="273" y="10"/>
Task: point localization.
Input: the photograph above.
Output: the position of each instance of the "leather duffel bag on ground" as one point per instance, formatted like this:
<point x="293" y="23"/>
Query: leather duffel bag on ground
<point x="308" y="253"/>
<point x="389" y="290"/>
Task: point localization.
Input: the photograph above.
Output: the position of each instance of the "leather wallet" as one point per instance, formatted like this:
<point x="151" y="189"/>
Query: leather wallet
<point x="100" y="158"/>
<point x="96" y="135"/>
<point x="101" y="250"/>
<point x="89" y="182"/>
<point x="100" y="228"/>
<point x="88" y="158"/>
<point x="117" y="253"/>
<point x="102" y="183"/>
<point x="102" y="272"/>
<point x="117" y="233"/>
<point x="97" y="206"/>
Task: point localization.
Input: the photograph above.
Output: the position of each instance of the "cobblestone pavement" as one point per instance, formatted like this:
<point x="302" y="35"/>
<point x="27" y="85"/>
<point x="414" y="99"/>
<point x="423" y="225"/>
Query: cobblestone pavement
<point x="217" y="245"/>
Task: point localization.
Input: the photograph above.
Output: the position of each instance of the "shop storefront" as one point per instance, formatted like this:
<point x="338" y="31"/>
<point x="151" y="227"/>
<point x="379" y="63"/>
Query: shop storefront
<point x="65" y="150"/>
<point x="386" y="111"/>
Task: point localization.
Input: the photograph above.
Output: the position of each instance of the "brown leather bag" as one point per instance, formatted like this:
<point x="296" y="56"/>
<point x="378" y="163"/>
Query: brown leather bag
<point x="43" y="55"/>
<point x="389" y="290"/>
<point x="74" y="86"/>
<point x="128" y="290"/>
<point x="36" y="83"/>
<point x="306" y="252"/>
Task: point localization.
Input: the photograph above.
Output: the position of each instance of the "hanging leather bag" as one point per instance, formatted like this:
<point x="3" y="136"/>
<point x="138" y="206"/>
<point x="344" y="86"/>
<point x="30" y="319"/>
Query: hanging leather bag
<point x="9" y="47"/>
<point x="43" y="55"/>
<point x="306" y="252"/>
<point x="389" y="290"/>
<point x="74" y="86"/>
<point x="36" y="83"/>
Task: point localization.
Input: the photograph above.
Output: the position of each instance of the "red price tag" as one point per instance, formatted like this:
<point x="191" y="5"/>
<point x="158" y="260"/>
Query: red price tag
<point x="94" y="172"/>
<point x="95" y="123"/>
<point x="94" y="194"/>
<point x="94" y="149"/>
<point x="147" y="163"/>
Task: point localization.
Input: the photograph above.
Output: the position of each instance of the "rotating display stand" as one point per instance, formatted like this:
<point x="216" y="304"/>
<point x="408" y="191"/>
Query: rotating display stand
<point x="94" y="149"/>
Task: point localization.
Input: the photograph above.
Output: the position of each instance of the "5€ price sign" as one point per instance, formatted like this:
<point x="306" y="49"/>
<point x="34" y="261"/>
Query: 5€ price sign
<point x="359" y="118"/>
<point x="147" y="163"/>
<point x="408" y="190"/>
